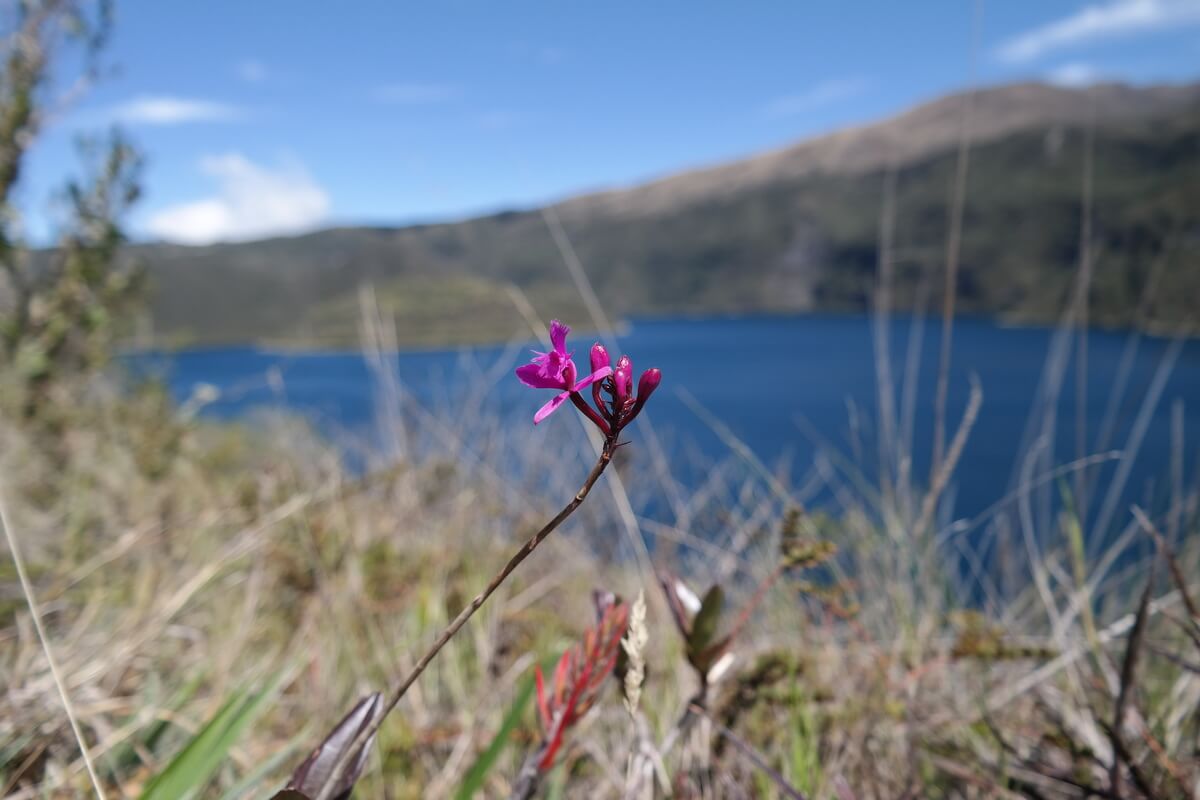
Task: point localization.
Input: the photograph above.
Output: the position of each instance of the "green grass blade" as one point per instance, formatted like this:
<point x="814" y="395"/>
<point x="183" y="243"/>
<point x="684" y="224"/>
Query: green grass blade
<point x="125" y="756"/>
<point x="1079" y="568"/>
<point x="473" y="781"/>
<point x="193" y="766"/>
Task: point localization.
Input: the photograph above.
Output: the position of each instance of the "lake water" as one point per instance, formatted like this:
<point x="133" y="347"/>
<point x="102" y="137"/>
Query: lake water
<point x="787" y="387"/>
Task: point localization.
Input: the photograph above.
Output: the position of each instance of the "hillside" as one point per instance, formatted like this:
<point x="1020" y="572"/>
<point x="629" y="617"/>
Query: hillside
<point x="787" y="231"/>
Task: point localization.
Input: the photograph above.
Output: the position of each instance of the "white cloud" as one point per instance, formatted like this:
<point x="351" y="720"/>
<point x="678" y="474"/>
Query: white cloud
<point x="166" y="110"/>
<point x="822" y="94"/>
<point x="1074" y="75"/>
<point x="252" y="71"/>
<point x="413" y="94"/>
<point x="1110" y="20"/>
<point x="251" y="201"/>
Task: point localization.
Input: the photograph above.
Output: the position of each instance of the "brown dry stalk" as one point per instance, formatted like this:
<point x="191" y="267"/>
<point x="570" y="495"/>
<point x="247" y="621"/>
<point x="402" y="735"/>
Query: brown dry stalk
<point x="27" y="589"/>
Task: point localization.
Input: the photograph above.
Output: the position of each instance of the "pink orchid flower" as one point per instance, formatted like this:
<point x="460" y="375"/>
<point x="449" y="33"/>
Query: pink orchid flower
<point x="556" y="370"/>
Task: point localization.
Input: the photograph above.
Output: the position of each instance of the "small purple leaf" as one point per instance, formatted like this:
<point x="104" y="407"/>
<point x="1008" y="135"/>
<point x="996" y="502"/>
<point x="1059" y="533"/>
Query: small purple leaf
<point x="311" y="775"/>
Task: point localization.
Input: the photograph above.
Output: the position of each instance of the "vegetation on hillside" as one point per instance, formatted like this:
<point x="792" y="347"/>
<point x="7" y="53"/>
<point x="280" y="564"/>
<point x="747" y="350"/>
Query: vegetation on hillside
<point x="60" y="310"/>
<point x="788" y="244"/>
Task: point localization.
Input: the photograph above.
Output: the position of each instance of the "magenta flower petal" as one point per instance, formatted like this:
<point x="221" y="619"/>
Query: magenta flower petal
<point x="550" y="407"/>
<point x="603" y="372"/>
<point x="558" y="336"/>
<point x="535" y="375"/>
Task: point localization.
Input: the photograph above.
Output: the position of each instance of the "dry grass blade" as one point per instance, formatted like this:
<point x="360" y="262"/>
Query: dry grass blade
<point x="730" y="440"/>
<point x="1136" y="434"/>
<point x="1086" y="268"/>
<point x="946" y="467"/>
<point x="1015" y="689"/>
<point x="27" y="589"/>
<point x="885" y="268"/>
<point x="1177" y="660"/>
<point x="575" y="266"/>
<point x="1128" y="671"/>
<point x="1120" y="381"/>
<point x="753" y="756"/>
<point x="1168" y="555"/>
<point x="953" y="246"/>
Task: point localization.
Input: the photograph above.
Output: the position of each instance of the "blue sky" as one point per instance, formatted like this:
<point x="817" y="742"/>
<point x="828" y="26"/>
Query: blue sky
<point x="270" y="117"/>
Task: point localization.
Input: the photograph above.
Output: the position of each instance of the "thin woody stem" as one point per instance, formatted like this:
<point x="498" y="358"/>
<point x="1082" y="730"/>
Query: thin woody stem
<point x="401" y="688"/>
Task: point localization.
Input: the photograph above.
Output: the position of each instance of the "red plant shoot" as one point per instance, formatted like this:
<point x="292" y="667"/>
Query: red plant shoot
<point x="578" y="680"/>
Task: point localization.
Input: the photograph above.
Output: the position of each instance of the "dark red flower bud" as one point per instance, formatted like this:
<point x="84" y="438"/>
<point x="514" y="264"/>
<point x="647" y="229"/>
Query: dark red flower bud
<point x="649" y="381"/>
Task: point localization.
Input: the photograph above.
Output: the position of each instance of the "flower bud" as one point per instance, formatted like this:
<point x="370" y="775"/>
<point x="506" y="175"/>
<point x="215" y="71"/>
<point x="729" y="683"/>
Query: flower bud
<point x="621" y="381"/>
<point x="649" y="381"/>
<point x="599" y="357"/>
<point x="600" y="360"/>
<point x="623" y="378"/>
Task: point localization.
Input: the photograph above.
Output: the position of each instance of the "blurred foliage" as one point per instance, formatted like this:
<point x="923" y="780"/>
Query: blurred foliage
<point x="60" y="309"/>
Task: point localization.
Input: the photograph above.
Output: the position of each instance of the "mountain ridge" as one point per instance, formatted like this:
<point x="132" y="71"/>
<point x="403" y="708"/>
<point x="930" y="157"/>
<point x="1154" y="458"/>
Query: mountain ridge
<point x="998" y="110"/>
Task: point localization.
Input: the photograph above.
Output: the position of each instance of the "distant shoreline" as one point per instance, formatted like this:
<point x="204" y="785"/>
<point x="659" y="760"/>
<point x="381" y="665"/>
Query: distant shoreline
<point x="626" y="323"/>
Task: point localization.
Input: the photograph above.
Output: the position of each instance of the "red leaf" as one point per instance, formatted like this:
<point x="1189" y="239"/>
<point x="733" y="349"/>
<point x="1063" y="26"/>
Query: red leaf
<point x="578" y="679"/>
<point x="543" y="706"/>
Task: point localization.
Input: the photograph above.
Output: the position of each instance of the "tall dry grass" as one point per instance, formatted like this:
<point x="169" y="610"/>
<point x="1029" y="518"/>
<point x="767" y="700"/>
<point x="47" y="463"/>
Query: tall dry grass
<point x="175" y="561"/>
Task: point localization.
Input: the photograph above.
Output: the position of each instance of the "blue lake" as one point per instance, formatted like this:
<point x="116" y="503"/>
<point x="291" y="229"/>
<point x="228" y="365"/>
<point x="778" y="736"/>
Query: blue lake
<point x="788" y="387"/>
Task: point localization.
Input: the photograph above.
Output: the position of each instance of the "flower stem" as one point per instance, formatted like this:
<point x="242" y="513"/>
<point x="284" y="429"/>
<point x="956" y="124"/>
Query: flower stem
<point x="590" y="413"/>
<point x="401" y="688"/>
